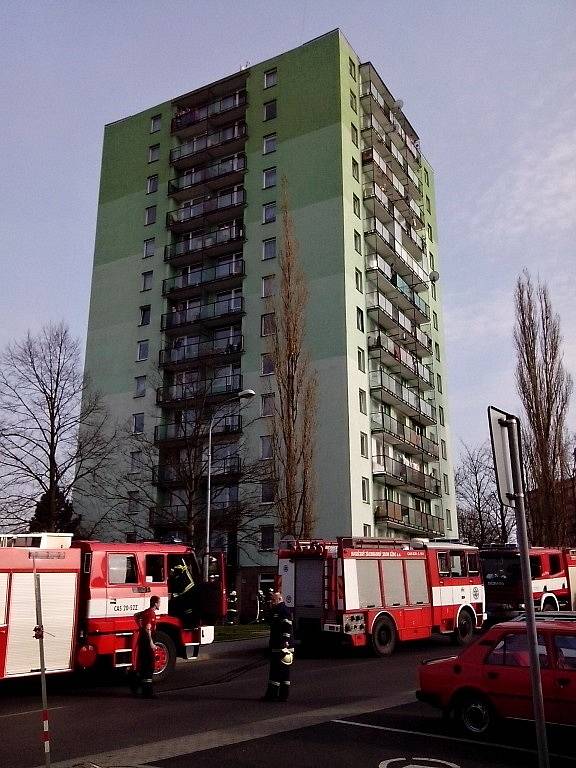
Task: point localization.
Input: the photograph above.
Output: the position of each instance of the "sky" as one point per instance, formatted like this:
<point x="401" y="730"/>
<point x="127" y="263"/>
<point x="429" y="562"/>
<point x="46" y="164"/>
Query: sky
<point x="489" y="86"/>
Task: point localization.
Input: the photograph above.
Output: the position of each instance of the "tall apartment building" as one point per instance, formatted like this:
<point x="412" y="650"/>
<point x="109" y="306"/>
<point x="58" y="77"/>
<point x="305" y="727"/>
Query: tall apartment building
<point x="187" y="250"/>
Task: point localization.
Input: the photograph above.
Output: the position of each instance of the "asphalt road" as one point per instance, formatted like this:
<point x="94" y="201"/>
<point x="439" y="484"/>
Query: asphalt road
<point x="345" y="709"/>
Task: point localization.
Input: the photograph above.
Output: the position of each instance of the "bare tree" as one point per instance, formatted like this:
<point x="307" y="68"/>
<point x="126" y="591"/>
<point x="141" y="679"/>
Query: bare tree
<point x="54" y="430"/>
<point x="481" y="519"/>
<point x="294" y="422"/>
<point x="544" y="387"/>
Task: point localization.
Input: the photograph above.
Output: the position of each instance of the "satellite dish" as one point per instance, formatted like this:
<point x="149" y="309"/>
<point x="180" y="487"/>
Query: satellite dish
<point x="398" y="104"/>
<point x="434" y="276"/>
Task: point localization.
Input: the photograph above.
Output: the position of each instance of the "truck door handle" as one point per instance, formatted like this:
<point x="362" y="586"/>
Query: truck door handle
<point x="113" y="601"/>
<point x="563" y="682"/>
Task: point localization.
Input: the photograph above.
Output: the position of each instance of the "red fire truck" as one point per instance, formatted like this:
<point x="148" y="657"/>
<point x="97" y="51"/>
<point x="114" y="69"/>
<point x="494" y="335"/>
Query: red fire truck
<point x="377" y="591"/>
<point x="553" y="573"/>
<point x="90" y="591"/>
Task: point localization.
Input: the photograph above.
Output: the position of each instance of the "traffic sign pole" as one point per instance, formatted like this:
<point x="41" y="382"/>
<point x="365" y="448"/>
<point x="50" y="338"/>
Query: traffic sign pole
<point x="39" y="635"/>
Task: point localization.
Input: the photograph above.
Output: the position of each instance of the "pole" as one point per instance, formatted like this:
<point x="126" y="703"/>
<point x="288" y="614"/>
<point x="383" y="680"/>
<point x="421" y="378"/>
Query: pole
<point x="39" y="635"/>
<point x="208" y="502"/>
<point x="513" y="426"/>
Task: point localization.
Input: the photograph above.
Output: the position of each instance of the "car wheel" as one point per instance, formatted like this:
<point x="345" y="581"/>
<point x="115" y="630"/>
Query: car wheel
<point x="383" y="637"/>
<point x="164" y="656"/>
<point x="474" y="715"/>
<point x="464" y="630"/>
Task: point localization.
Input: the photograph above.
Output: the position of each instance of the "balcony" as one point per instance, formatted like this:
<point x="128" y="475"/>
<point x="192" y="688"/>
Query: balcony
<point x="397" y="324"/>
<point x="389" y="390"/>
<point x="214" y="242"/>
<point x="383" y="175"/>
<point x="407" y="518"/>
<point x="192" y="283"/>
<point x="176" y="515"/>
<point x="198" y="119"/>
<point x="228" y="309"/>
<point x="208" y="178"/>
<point x="381" y="242"/>
<point x="395" y="288"/>
<point x="181" y="356"/>
<point x="377" y="204"/>
<point x="227" y="140"/>
<point x="191" y="430"/>
<point x="210" y="210"/>
<point x="400" y="475"/>
<point x="414" y="243"/>
<point x="400" y="360"/>
<point x="179" y="394"/>
<point x="376" y="136"/>
<point x="404" y="437"/>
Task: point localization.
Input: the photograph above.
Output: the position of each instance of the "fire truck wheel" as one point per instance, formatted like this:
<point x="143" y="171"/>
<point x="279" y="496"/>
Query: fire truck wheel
<point x="548" y="605"/>
<point x="165" y="656"/>
<point x="464" y="631"/>
<point x="383" y="638"/>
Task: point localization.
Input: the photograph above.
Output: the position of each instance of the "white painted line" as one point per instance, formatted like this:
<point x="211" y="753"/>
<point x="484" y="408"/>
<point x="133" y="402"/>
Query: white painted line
<point x="29" y="712"/>
<point x="476" y="743"/>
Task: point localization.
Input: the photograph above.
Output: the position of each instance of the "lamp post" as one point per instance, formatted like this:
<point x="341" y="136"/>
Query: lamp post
<point x="244" y="394"/>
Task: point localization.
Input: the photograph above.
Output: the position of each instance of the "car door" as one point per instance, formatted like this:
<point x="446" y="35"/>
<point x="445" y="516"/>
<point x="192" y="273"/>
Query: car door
<point x="563" y="683"/>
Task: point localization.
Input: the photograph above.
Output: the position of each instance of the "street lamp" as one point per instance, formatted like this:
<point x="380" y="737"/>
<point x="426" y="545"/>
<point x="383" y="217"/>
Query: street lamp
<point x="244" y="394"/>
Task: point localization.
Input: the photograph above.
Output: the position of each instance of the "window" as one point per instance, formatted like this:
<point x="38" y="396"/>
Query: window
<point x="270" y="110"/>
<point x="429" y="230"/>
<point x="269" y="144"/>
<point x="432" y="262"/>
<point x="555" y="565"/>
<point x="443" y="449"/>
<point x="152" y="184"/>
<point x="362" y="401"/>
<point x="135" y="461"/>
<point x="268" y="213"/>
<point x="147" y="280"/>
<point x="142" y="350"/>
<point x="139" y="386"/>
<point x="435" y="320"/>
<point x="356" y="205"/>
<point x="267" y="404"/>
<point x="364" y="444"/>
<point x="448" y="516"/>
<point x="145" y="315"/>
<point x="268" y="286"/>
<point x="513" y="651"/>
<point x="269" y="178"/>
<point x="352" y="69"/>
<point x="428" y="204"/>
<point x="365" y="490"/>
<point x="361" y="360"/>
<point x="137" y="423"/>
<point x="473" y="562"/>
<point x="441" y="415"/>
<point x="437" y="350"/>
<point x="367" y="531"/>
<point x="267" y="492"/>
<point x="359" y="319"/>
<point x="149" y="247"/>
<point x="270" y="78"/>
<point x="355" y="169"/>
<point x="565" y="651"/>
<point x="267" y="538"/>
<point x="267" y="364"/>
<point x="353" y="102"/>
<point x="155" y="569"/>
<point x="359" y="280"/>
<point x="265" y="447"/>
<point x="439" y="383"/>
<point x="446" y="486"/>
<point x="267" y="324"/>
<point x="426" y="177"/>
<point x="269" y="249"/>
<point x="153" y="153"/>
<point x="357" y="242"/>
<point x="155" y="123"/>
<point x="433" y="290"/>
<point x="122" y="569"/>
<point x="354" y="134"/>
<point x="150" y="215"/>
<point x="443" y="563"/>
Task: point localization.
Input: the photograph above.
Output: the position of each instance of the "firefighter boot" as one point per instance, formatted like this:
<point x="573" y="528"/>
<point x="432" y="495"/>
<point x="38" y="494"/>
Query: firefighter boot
<point x="284" y="691"/>
<point x="272" y="692"/>
<point x="147" y="690"/>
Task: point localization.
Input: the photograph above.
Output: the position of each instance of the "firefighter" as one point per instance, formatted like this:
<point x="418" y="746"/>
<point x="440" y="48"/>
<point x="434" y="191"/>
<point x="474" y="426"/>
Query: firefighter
<point x="183" y="595"/>
<point x="144" y="649"/>
<point x="281" y="650"/>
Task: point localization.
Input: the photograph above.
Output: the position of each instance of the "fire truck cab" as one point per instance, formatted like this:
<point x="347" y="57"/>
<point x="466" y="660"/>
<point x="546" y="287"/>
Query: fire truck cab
<point x="377" y="591"/>
<point x="553" y="572"/>
<point x="90" y="591"/>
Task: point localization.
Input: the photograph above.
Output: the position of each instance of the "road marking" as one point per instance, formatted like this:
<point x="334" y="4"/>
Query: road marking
<point x="29" y="712"/>
<point x="449" y="738"/>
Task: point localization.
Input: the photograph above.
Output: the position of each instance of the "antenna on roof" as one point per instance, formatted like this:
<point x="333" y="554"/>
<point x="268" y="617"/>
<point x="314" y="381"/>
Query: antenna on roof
<point x="244" y="66"/>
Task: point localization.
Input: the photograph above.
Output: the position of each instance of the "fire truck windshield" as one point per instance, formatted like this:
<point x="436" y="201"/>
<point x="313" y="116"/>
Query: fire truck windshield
<point x="504" y="569"/>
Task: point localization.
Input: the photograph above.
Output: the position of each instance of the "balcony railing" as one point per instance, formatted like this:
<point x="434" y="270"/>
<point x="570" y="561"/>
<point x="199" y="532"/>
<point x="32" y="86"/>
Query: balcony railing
<point x="205" y="207"/>
<point x="217" y="309"/>
<point x="203" y="276"/>
<point x="197" y="242"/>
<point x="389" y="316"/>
<point x="404" y="435"/>
<point x="206" y="141"/>
<point x="180" y="354"/>
<point x="401" y="395"/>
<point x="191" y="429"/>
<point x="403" y="474"/>
<point x="395" y="355"/>
<point x="407" y="517"/>
<point x="177" y="393"/>
<point x="204" y="112"/>
<point x="385" y="244"/>
<point x="217" y="170"/>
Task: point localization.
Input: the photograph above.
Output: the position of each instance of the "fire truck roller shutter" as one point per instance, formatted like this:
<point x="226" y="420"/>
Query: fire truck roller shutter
<point x="3" y="598"/>
<point x="309" y="594"/>
<point x="58" y="613"/>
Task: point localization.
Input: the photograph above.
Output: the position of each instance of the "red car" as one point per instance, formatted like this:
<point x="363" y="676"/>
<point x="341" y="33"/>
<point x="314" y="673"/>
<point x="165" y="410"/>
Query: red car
<point x="490" y="679"/>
